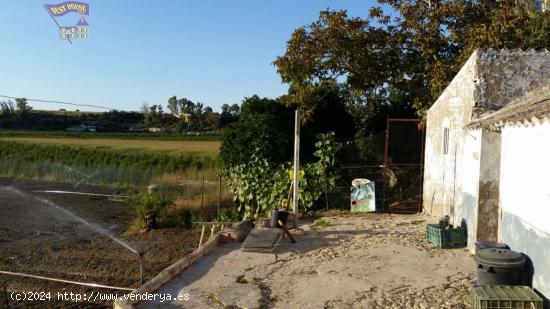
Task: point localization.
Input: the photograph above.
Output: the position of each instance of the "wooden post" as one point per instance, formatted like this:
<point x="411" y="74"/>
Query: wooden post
<point x="202" y="192"/>
<point x="384" y="180"/>
<point x="326" y="187"/>
<point x="289" y="198"/>
<point x="202" y="235"/>
<point x="386" y="142"/>
<point x="295" y="193"/>
<point x="219" y="195"/>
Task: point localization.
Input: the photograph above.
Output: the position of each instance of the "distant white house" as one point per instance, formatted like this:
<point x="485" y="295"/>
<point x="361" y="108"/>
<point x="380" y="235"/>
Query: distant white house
<point x="543" y="5"/>
<point x="487" y="154"/>
<point x="82" y="128"/>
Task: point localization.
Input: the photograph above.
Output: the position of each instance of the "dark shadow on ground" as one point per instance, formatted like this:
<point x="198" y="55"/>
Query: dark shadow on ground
<point x="405" y="206"/>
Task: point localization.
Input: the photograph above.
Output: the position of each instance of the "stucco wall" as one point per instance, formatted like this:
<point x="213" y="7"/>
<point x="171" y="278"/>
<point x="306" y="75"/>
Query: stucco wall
<point x="487" y="81"/>
<point x="443" y="173"/>
<point x="525" y="196"/>
<point x="525" y="173"/>
<point x="470" y="185"/>
<point x="489" y="184"/>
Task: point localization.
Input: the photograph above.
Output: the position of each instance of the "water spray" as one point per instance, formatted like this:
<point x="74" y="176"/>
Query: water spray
<point x="140" y="254"/>
<point x="92" y="226"/>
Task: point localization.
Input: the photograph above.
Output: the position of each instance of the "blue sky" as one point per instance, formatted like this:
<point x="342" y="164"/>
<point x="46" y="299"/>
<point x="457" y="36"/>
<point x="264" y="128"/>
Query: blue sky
<point x="210" y="51"/>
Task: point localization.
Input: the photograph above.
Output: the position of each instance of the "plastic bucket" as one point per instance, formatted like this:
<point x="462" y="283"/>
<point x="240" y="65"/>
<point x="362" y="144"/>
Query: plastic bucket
<point x="277" y="215"/>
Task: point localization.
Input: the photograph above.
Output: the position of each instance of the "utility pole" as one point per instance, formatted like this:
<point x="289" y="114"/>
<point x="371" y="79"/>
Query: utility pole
<point x="295" y="193"/>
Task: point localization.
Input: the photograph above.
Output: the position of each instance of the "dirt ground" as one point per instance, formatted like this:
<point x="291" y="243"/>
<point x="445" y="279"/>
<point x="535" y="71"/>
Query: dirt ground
<point x="39" y="237"/>
<point x="357" y="261"/>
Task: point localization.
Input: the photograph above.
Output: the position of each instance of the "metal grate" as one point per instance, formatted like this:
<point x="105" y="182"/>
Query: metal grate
<point x="263" y="240"/>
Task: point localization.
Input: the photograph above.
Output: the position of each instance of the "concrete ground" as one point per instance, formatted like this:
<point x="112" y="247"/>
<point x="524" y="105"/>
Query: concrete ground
<point x="357" y="261"/>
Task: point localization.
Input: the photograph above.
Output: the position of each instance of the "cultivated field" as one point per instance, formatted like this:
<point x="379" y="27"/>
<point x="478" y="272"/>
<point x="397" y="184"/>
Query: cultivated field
<point x="72" y="237"/>
<point x="209" y="147"/>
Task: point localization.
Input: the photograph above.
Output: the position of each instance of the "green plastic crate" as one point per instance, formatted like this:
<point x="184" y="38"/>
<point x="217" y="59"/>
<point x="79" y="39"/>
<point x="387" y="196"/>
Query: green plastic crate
<point x="505" y="297"/>
<point x="446" y="238"/>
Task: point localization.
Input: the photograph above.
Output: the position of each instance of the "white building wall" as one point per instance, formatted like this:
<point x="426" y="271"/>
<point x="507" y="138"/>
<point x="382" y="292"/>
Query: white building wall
<point x="525" y="197"/>
<point x="443" y="173"/>
<point x="470" y="183"/>
<point x="486" y="82"/>
<point x="525" y="173"/>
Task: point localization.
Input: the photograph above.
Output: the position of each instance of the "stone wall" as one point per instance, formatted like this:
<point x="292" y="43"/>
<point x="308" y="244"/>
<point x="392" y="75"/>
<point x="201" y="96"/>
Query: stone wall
<point x="505" y="75"/>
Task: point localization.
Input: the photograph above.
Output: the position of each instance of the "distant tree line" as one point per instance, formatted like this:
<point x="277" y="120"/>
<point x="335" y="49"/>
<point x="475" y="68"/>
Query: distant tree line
<point x="21" y="109"/>
<point x="21" y="116"/>
<point x="181" y="116"/>
<point x="186" y="115"/>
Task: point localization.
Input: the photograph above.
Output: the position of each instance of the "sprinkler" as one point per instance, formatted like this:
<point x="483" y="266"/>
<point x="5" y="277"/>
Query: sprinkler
<point x="4" y="289"/>
<point x="140" y="254"/>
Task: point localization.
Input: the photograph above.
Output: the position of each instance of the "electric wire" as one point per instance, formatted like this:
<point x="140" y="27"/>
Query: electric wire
<point x="58" y="102"/>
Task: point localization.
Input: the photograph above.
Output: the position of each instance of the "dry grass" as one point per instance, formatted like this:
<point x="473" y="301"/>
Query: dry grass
<point x="192" y="176"/>
<point x="210" y="147"/>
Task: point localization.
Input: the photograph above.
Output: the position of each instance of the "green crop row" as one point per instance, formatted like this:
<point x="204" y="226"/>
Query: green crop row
<point x="105" y="165"/>
<point x="211" y="136"/>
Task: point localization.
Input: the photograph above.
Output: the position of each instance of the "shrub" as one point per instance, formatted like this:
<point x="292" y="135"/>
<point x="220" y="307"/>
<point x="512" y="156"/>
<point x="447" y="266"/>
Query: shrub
<point x="258" y="186"/>
<point x="185" y="219"/>
<point x="146" y="202"/>
<point x="320" y="223"/>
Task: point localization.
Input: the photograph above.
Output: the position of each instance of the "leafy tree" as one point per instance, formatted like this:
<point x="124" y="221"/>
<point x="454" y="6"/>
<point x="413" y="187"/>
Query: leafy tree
<point x="212" y="120"/>
<point x="397" y="62"/>
<point x="328" y="115"/>
<point x="267" y="127"/>
<point x="195" y="116"/>
<point x="7" y="108"/>
<point x="408" y="57"/>
<point x="229" y="114"/>
<point x="264" y="126"/>
<point x="225" y="109"/>
<point x="186" y="106"/>
<point x="152" y="115"/>
<point x="442" y="37"/>
<point x="173" y="106"/>
<point x="198" y="115"/>
<point x="234" y="110"/>
<point x="23" y="107"/>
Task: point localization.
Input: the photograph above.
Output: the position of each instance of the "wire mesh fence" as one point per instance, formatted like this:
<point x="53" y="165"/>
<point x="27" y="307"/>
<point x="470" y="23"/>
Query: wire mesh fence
<point x="202" y="192"/>
<point x="398" y="187"/>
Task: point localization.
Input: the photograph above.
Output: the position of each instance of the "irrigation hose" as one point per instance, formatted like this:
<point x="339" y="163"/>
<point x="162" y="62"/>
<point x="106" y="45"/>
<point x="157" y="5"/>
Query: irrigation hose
<point x="94" y="285"/>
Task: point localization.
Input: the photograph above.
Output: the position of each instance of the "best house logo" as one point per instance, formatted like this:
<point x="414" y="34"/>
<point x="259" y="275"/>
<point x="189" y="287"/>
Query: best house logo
<point x="77" y="32"/>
